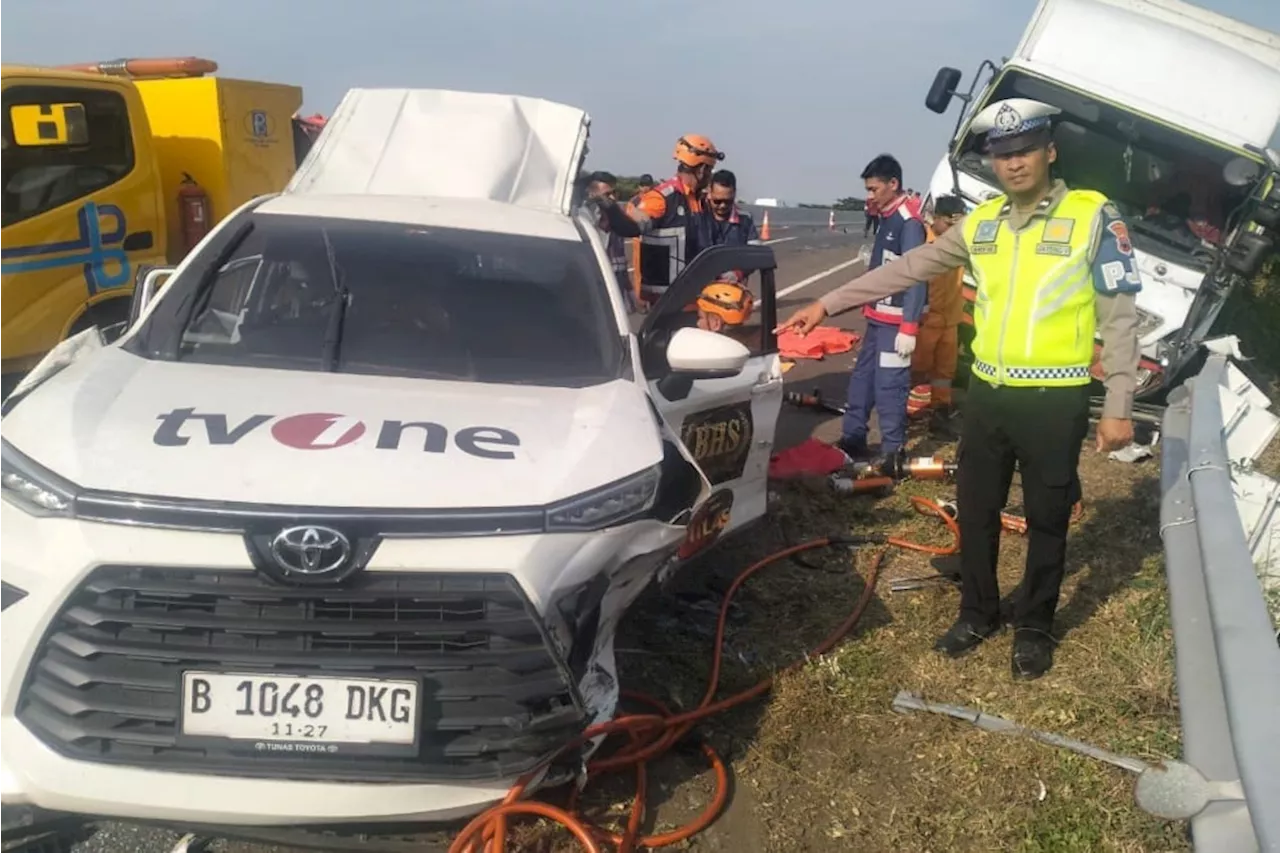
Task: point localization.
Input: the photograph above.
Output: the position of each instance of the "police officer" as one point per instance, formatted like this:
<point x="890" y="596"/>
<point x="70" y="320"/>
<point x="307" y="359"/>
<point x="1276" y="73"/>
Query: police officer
<point x="1051" y="266"/>
<point x="668" y="218"/>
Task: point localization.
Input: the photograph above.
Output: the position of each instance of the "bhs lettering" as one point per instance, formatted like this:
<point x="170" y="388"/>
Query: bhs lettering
<point x="719" y="439"/>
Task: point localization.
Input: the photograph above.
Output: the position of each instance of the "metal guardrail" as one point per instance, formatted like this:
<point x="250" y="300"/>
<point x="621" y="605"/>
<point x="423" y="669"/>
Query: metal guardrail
<point x="1228" y="662"/>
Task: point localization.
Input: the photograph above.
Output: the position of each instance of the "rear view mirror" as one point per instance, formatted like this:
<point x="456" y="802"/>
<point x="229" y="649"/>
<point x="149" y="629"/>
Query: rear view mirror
<point x="49" y="124"/>
<point x="705" y="355"/>
<point x="146" y="286"/>
<point x="943" y="89"/>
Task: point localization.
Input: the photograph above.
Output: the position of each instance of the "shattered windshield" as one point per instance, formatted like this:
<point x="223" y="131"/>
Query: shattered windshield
<point x="401" y="300"/>
<point x="1168" y="184"/>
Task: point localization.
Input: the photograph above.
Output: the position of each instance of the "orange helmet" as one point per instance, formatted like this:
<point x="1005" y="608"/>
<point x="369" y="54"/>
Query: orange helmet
<point x="730" y="301"/>
<point x="693" y="150"/>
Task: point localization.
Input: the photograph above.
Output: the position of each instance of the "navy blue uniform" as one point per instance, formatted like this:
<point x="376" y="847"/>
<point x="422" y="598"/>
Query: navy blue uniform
<point x="881" y="379"/>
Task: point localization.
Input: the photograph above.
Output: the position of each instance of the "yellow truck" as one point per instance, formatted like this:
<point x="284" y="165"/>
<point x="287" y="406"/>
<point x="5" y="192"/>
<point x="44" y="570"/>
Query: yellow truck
<point x="116" y="167"/>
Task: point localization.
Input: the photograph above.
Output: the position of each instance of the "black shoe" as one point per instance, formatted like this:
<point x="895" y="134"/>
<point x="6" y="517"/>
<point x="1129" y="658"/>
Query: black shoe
<point x="853" y="448"/>
<point x="963" y="637"/>
<point x="947" y="565"/>
<point x="1032" y="654"/>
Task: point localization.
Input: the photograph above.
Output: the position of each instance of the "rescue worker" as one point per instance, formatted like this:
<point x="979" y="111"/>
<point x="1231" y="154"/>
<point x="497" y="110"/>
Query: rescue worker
<point x="667" y="218"/>
<point x="603" y="187"/>
<point x="933" y="367"/>
<point x="729" y="226"/>
<point x="1051" y="265"/>
<point x="725" y="306"/>
<point x="881" y="377"/>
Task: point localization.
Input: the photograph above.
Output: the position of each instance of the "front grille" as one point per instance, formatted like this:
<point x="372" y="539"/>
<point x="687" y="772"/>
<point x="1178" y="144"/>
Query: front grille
<point x="104" y="684"/>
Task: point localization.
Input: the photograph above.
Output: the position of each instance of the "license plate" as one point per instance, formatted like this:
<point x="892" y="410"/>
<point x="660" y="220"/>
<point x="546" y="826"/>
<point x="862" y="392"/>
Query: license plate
<point x="302" y="714"/>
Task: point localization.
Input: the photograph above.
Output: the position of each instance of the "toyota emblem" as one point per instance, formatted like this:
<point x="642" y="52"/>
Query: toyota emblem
<point x="309" y="550"/>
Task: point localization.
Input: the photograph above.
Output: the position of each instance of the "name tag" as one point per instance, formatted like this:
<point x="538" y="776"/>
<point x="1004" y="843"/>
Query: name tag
<point x="1053" y="249"/>
<point x="982" y="250"/>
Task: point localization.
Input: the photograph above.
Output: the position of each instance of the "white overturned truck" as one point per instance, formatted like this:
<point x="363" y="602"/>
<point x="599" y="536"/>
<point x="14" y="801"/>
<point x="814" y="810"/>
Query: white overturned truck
<point x="363" y="491"/>
<point x="1167" y="108"/>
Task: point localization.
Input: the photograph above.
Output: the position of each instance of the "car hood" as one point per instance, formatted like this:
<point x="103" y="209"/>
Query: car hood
<point x="114" y="421"/>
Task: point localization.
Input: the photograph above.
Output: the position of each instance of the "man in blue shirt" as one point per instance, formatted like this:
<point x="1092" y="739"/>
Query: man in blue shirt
<point x="881" y="378"/>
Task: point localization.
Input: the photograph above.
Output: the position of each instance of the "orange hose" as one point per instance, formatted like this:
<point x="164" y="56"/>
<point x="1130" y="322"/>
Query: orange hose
<point x="650" y="735"/>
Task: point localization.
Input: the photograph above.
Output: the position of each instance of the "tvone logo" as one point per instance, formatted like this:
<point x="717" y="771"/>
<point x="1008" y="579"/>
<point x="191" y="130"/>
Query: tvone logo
<point x="328" y="430"/>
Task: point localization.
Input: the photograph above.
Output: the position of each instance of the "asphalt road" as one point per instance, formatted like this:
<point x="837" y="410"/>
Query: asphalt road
<point x="811" y="261"/>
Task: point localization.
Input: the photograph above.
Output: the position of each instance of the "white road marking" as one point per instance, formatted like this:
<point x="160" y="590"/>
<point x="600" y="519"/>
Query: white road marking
<point x="777" y="240"/>
<point x="817" y="277"/>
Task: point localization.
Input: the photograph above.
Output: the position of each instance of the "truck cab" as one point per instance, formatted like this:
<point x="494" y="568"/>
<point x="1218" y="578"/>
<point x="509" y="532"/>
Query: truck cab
<point x="82" y="207"/>
<point x="1151" y="127"/>
<point x="113" y="168"/>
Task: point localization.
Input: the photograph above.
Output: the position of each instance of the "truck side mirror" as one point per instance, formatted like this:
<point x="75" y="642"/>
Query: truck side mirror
<point x="147" y="284"/>
<point x="943" y="89"/>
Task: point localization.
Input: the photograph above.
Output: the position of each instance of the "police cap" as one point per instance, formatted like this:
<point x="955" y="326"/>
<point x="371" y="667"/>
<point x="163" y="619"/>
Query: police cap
<point x="1015" y="124"/>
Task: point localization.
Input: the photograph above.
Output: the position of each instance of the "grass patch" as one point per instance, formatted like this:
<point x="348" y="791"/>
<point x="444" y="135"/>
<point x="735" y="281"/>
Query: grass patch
<point x="825" y="764"/>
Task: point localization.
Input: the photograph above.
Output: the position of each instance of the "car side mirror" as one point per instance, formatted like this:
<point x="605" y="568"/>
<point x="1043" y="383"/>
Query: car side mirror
<point x="943" y="89"/>
<point x="700" y="354"/>
<point x="145" y="288"/>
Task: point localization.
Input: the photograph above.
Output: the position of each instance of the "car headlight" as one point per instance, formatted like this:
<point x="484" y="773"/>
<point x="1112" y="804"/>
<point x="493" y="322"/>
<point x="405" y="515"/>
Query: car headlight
<point x="34" y="489"/>
<point x="606" y="506"/>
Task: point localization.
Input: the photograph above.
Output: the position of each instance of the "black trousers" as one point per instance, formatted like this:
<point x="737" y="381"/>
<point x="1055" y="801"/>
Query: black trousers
<point x="1041" y="431"/>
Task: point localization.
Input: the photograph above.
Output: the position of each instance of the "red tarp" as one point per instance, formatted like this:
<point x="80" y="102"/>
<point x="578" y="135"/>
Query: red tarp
<point x="811" y="458"/>
<point x="820" y="342"/>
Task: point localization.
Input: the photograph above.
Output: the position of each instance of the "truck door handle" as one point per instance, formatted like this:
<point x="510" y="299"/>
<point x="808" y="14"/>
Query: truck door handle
<point x="138" y="240"/>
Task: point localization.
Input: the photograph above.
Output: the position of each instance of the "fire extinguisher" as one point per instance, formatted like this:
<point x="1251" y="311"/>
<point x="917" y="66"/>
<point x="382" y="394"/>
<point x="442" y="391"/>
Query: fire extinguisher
<point x="194" y="212"/>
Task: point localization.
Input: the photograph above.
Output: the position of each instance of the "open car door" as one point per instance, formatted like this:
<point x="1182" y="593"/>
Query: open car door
<point x="727" y="423"/>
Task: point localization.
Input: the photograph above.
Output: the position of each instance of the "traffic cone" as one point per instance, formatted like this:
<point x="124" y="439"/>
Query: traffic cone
<point x="764" y="227"/>
<point x="831" y="221"/>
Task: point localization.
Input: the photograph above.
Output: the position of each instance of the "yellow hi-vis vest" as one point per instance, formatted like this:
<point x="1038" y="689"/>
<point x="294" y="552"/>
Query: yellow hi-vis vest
<point x="1033" y="316"/>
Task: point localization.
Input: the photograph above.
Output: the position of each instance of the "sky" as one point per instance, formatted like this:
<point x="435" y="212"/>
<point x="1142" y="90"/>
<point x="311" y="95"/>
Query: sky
<point x="800" y="94"/>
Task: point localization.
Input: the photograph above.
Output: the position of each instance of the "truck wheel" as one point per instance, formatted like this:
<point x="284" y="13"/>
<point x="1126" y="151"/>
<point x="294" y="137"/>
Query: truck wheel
<point x="111" y="317"/>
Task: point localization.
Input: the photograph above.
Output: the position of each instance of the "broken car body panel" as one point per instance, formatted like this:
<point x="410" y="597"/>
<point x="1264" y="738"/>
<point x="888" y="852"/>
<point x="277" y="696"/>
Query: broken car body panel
<point x="414" y="142"/>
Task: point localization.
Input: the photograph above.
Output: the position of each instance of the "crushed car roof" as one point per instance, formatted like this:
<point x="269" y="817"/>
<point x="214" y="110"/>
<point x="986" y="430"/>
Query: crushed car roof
<point x="466" y="214"/>
<point x="517" y="150"/>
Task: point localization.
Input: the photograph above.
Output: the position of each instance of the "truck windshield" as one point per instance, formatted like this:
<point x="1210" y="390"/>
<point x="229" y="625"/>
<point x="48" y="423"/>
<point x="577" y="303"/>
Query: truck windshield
<point x="1167" y="183"/>
<point x="323" y="294"/>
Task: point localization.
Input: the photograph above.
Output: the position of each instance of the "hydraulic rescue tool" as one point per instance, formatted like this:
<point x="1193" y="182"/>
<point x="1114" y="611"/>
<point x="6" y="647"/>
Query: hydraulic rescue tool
<point x="813" y="401"/>
<point x="861" y="476"/>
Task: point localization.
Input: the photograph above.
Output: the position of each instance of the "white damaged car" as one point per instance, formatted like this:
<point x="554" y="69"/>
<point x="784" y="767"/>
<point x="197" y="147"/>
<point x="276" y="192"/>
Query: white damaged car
<point x="341" y="528"/>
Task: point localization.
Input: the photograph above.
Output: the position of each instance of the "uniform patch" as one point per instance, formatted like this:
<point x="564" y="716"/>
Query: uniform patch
<point x="1121" y="232"/>
<point x="1058" y="249"/>
<point x="987" y="249"/>
<point x="1058" y="230"/>
<point x="987" y="231"/>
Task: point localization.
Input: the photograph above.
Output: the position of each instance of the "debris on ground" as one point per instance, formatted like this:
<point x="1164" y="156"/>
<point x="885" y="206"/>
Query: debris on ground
<point x="907" y="701"/>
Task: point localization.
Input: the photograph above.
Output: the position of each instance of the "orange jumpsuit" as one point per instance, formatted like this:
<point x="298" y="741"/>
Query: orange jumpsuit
<point x="937" y="348"/>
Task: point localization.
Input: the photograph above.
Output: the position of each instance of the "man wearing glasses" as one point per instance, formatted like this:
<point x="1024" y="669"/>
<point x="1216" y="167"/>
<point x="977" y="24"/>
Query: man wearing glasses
<point x="729" y="226"/>
<point x="602" y="189"/>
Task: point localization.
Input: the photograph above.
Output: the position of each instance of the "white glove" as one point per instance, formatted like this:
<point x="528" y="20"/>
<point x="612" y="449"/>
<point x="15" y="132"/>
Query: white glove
<point x="904" y="345"/>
